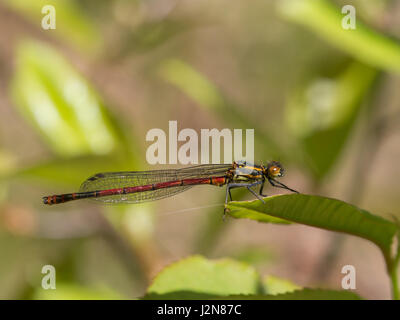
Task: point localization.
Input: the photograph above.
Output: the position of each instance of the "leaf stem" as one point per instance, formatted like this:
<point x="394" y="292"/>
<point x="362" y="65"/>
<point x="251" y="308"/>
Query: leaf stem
<point x="395" y="284"/>
<point x="392" y="268"/>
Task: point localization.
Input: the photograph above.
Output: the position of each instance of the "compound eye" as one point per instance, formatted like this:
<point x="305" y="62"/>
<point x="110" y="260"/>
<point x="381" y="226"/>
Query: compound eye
<point x="275" y="171"/>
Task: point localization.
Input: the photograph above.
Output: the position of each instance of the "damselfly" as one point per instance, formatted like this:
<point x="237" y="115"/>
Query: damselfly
<point x="141" y="186"/>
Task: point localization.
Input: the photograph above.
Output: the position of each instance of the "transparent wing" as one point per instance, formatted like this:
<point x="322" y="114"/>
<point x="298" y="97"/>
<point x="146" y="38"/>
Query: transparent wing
<point x="115" y="180"/>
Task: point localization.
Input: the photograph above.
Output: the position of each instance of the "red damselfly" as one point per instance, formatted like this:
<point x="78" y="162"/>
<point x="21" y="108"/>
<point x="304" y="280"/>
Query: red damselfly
<point x="141" y="186"/>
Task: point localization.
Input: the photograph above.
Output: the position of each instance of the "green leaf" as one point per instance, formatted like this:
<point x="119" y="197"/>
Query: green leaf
<point x="305" y="294"/>
<point x="321" y="212"/>
<point x="199" y="275"/>
<point x="199" y="278"/>
<point x="322" y="112"/>
<point x="275" y="285"/>
<point x="363" y="43"/>
<point x="179" y="295"/>
<point x="60" y="104"/>
<point x="253" y="255"/>
<point x="71" y="22"/>
<point x="255" y="215"/>
<point x="66" y="291"/>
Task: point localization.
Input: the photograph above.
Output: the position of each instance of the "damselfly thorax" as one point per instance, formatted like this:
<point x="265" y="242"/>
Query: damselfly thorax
<point x="141" y="186"/>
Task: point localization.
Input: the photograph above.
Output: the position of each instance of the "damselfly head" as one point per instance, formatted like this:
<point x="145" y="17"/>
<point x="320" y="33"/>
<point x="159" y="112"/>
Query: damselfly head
<point x="274" y="170"/>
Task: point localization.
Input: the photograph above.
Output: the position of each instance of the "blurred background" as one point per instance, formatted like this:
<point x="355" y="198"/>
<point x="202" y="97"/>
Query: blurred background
<point x="80" y="99"/>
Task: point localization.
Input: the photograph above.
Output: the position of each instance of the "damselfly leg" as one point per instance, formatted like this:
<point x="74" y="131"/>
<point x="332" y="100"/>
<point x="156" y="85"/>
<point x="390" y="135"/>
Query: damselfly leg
<point x="261" y="189"/>
<point x="278" y="184"/>
<point x="248" y="186"/>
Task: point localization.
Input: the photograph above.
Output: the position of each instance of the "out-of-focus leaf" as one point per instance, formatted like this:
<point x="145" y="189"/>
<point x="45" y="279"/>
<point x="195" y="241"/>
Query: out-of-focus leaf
<point x="60" y="104"/>
<point x="15" y="251"/>
<point x="305" y="294"/>
<point x="210" y="230"/>
<point x="3" y="192"/>
<point x="76" y="292"/>
<point x="208" y="96"/>
<point x="213" y="225"/>
<point x="153" y="34"/>
<point x="7" y="162"/>
<point x="363" y="43"/>
<point x="322" y="112"/>
<point x="199" y="275"/>
<point x="180" y="295"/>
<point x="136" y="221"/>
<point x="71" y="23"/>
<point x="321" y="212"/>
<point x="193" y="83"/>
<point x="198" y="278"/>
<point x="136" y="224"/>
<point x="274" y="285"/>
<point x="252" y="255"/>
<point x="70" y="172"/>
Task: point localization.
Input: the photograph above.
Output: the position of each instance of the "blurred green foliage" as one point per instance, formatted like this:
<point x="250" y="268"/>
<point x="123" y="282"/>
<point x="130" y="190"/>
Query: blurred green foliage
<point x="274" y="285"/>
<point x="223" y="277"/>
<point x="322" y="113"/>
<point x="198" y="278"/>
<point x="74" y="292"/>
<point x="363" y="43"/>
<point x="329" y="214"/>
<point x="74" y="25"/>
<point x="70" y="117"/>
<point x="305" y="96"/>
<point x="208" y="96"/>
<point x="60" y="104"/>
